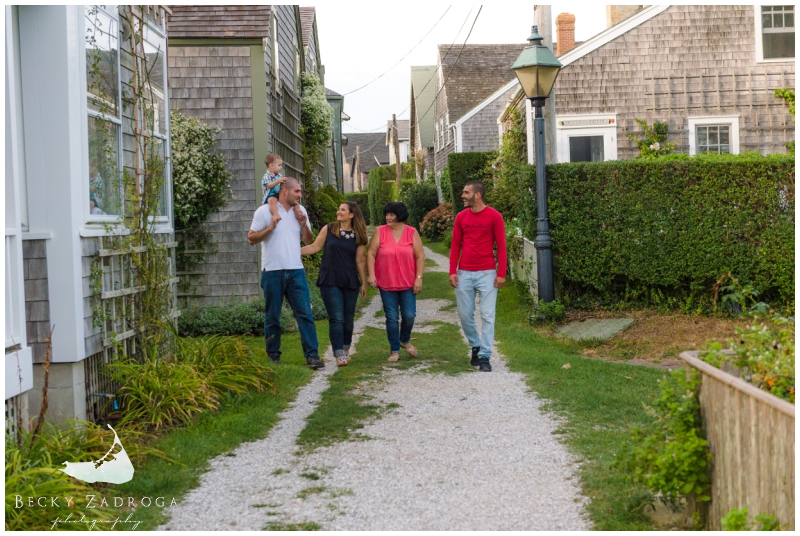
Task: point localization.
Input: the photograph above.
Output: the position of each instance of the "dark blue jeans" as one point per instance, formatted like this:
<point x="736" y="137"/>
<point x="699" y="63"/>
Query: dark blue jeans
<point x="341" y="306"/>
<point x="397" y="304"/>
<point x="292" y="285"/>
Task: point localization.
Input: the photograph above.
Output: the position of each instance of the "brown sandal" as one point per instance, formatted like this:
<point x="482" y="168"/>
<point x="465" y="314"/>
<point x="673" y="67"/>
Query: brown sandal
<point x="412" y="351"/>
<point x="394" y="356"/>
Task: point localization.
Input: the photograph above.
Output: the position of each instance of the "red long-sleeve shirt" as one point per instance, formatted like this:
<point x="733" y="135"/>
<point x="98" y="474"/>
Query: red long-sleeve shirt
<point x="474" y="237"/>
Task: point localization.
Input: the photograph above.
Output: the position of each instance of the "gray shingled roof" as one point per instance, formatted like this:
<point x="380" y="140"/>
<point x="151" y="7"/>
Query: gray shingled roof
<point x="307" y="15"/>
<point x="372" y="144"/>
<point x="480" y="71"/>
<point x="219" y="21"/>
<point x="423" y="84"/>
<point x="403" y="126"/>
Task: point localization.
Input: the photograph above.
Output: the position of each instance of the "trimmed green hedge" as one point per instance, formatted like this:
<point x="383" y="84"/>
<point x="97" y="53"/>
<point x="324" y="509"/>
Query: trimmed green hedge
<point x="382" y="189"/>
<point x="667" y="229"/>
<point x="420" y="198"/>
<point x="362" y="198"/>
<point x="465" y="167"/>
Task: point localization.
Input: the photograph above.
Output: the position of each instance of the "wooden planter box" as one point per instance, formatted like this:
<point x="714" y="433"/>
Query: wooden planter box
<point x="751" y="436"/>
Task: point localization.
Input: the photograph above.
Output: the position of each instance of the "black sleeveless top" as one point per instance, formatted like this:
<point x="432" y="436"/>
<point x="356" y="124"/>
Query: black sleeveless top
<point x="338" y="268"/>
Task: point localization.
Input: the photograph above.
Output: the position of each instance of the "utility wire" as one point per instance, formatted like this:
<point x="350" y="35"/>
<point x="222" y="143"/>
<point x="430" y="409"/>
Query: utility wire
<point x="445" y="80"/>
<point x="430" y="79"/>
<point x="404" y="57"/>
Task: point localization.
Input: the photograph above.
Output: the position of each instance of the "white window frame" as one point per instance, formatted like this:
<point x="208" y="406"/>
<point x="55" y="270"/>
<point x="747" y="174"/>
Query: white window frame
<point x="163" y="222"/>
<point x="113" y="13"/>
<point x="730" y="120"/>
<point x="276" y="53"/>
<point x="760" y="42"/>
<point x="600" y="125"/>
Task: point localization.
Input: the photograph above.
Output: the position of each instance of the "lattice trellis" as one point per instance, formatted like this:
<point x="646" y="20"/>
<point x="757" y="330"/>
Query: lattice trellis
<point x="117" y="298"/>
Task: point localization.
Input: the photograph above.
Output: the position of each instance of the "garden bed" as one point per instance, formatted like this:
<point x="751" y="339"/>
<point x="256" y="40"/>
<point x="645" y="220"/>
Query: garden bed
<point x="751" y="437"/>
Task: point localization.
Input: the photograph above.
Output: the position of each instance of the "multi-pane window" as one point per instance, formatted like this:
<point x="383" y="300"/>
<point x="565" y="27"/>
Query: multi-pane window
<point x="104" y="110"/>
<point x="777" y="31"/>
<point x="155" y="111"/>
<point x="713" y="139"/>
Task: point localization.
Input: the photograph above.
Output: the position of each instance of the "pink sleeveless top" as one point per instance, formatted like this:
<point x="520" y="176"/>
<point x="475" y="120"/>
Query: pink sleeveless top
<point x="395" y="265"/>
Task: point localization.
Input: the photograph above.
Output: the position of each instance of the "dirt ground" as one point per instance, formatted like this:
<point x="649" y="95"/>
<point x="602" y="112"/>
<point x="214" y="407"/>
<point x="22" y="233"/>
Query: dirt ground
<point x="655" y="339"/>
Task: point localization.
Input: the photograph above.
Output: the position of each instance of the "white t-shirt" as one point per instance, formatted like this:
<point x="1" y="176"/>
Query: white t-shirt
<point x="281" y="249"/>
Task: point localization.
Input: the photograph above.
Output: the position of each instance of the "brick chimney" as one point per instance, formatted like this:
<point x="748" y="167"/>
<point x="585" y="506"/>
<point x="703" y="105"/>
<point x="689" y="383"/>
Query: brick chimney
<point x="565" y="32"/>
<point x="617" y="14"/>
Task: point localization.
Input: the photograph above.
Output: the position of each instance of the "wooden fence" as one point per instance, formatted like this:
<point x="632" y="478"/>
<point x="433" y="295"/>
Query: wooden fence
<point x="751" y="437"/>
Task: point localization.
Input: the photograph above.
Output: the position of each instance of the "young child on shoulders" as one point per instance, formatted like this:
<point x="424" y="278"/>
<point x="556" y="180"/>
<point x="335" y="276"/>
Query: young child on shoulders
<point x="271" y="185"/>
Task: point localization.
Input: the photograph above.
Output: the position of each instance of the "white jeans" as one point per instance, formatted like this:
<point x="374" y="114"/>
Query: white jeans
<point x="470" y="284"/>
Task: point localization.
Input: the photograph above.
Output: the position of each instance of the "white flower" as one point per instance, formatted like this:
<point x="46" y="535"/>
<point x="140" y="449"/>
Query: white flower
<point x="656" y="146"/>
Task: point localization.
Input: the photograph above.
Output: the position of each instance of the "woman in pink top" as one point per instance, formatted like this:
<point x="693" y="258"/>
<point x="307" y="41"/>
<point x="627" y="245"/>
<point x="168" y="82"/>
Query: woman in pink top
<point x="395" y="261"/>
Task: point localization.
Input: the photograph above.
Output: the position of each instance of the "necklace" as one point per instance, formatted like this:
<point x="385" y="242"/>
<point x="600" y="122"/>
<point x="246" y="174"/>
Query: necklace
<point x="347" y="234"/>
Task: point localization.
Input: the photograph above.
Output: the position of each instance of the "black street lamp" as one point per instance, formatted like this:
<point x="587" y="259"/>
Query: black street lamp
<point x="537" y="69"/>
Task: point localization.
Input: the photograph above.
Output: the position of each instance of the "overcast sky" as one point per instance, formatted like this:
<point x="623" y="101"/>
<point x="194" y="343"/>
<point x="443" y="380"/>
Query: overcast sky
<point x="359" y="43"/>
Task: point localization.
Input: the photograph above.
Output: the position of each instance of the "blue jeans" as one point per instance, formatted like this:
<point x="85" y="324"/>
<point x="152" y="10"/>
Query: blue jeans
<point x="397" y="303"/>
<point x="471" y="283"/>
<point x="292" y="285"/>
<point x="341" y="306"/>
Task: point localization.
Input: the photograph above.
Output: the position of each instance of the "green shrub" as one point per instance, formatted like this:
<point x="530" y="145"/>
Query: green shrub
<point x="438" y="222"/>
<point x="736" y="520"/>
<point x="244" y="318"/>
<point x="420" y="198"/>
<point x="444" y="185"/>
<point x="765" y="352"/>
<point x="316" y="122"/>
<point x="465" y="167"/>
<point x="326" y="209"/>
<point x="671" y="457"/>
<point x="200" y="187"/>
<point x="381" y="190"/>
<point x="362" y="198"/>
<point x="334" y="194"/>
<point x="670" y="226"/>
<point x="189" y="379"/>
<point x="507" y="167"/>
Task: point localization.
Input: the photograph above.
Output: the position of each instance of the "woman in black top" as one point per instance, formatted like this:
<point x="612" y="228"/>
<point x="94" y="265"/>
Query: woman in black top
<point x="344" y="261"/>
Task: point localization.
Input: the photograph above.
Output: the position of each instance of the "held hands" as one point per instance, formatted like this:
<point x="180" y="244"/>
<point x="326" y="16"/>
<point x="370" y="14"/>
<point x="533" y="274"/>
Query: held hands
<point x="454" y="280"/>
<point x="363" y="291"/>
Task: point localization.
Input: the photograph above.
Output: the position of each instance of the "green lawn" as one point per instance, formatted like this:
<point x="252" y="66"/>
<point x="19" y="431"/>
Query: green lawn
<point x="244" y="418"/>
<point x="437" y="247"/>
<point x="599" y="401"/>
<point x="345" y="407"/>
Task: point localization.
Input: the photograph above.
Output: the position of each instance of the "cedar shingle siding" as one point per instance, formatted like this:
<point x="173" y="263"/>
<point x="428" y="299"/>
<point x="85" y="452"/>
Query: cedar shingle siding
<point x="686" y="61"/>
<point x="470" y="75"/>
<point x="481" y="132"/>
<point x="213" y="81"/>
<point x="213" y="84"/>
<point x="241" y="22"/>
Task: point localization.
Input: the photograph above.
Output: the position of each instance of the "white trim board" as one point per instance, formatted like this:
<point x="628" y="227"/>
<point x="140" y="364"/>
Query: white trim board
<point x="610" y="34"/>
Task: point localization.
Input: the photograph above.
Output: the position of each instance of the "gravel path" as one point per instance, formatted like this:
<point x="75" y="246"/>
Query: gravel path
<point x="465" y="452"/>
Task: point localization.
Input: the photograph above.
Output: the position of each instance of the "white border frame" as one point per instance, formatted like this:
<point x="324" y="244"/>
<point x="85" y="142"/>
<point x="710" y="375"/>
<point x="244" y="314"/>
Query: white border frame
<point x="760" y="43"/>
<point x="609" y="133"/>
<point x="107" y="219"/>
<point x="732" y="120"/>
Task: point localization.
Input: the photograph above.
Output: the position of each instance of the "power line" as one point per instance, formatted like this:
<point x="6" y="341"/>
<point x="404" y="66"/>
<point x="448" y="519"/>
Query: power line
<point x="431" y="78"/>
<point x="445" y="80"/>
<point x="404" y="57"/>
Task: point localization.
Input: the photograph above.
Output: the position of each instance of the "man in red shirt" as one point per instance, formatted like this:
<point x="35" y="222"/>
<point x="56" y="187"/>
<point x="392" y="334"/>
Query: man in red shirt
<point x="475" y="271"/>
